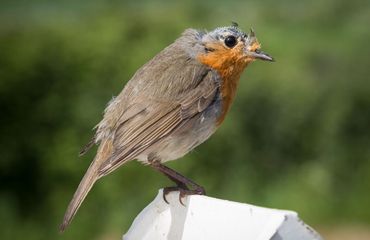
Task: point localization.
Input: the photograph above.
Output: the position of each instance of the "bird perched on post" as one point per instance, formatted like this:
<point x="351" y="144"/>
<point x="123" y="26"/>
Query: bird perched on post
<point x="172" y="104"/>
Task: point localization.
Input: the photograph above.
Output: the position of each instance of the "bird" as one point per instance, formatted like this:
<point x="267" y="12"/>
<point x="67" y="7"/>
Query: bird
<point x="173" y="103"/>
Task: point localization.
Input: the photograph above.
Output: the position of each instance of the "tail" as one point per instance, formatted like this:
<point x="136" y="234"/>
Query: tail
<point x="91" y="176"/>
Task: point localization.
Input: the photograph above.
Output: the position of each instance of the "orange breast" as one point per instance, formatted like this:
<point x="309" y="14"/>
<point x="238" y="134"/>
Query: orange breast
<point x="230" y="64"/>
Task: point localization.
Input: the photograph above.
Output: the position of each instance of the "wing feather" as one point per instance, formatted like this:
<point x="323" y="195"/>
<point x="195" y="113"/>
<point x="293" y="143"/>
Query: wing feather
<point x="158" y="118"/>
<point x="144" y="136"/>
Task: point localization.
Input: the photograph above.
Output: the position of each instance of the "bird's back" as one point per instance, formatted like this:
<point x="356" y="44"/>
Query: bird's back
<point x="158" y="104"/>
<point x="169" y="76"/>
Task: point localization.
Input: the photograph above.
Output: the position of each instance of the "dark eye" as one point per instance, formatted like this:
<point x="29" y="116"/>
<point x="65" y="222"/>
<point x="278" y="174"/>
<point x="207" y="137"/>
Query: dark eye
<point x="230" y="41"/>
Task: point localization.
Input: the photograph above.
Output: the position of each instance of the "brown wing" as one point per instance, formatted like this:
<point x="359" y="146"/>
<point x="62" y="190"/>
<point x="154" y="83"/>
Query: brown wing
<point x="157" y="121"/>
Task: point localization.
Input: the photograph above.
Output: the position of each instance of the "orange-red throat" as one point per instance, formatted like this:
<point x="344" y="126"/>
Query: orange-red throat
<point x="229" y="63"/>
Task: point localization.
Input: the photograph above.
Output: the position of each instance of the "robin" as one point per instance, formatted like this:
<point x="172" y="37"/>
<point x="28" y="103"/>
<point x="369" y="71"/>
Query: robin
<point x="172" y="104"/>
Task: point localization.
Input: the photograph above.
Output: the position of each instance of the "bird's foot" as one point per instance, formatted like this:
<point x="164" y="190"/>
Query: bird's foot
<point x="183" y="192"/>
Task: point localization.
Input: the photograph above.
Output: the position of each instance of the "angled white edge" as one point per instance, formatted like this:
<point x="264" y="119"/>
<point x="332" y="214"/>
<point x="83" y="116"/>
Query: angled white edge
<point x="203" y="218"/>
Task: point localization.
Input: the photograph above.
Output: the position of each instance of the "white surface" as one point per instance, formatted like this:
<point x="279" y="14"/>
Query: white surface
<point x="204" y="218"/>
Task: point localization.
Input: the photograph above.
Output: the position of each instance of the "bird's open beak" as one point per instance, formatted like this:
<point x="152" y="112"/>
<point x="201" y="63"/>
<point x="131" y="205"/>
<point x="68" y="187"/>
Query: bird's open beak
<point x="253" y="49"/>
<point x="261" y="55"/>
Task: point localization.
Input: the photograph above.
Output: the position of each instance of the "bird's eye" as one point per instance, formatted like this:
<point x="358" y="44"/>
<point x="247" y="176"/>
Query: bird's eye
<point x="230" y="41"/>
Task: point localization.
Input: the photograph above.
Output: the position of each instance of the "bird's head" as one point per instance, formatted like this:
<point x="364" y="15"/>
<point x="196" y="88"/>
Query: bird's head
<point x="229" y="47"/>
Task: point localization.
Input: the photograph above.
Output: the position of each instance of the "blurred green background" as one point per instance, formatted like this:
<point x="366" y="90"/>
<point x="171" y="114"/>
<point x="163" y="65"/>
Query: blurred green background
<point x="297" y="137"/>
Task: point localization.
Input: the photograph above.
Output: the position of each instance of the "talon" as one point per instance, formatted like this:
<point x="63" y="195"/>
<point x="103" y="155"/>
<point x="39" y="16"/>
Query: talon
<point x="183" y="192"/>
<point x="167" y="190"/>
<point x="180" y="199"/>
<point x="182" y="195"/>
<point x="164" y="198"/>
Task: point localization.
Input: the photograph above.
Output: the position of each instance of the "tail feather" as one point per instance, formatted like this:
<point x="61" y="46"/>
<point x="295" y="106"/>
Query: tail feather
<point x="91" y="176"/>
<point x="81" y="193"/>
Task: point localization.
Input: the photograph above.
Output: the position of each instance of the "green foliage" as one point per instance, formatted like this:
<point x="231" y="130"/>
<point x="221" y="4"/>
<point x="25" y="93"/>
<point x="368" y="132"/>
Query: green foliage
<point x="297" y="136"/>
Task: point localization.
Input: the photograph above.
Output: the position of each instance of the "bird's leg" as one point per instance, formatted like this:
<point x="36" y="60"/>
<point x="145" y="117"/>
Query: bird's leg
<point x="181" y="181"/>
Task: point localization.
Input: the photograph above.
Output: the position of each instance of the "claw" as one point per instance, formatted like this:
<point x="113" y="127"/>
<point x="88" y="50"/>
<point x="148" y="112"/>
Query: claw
<point x="167" y="190"/>
<point x="182" y="183"/>
<point x="182" y="195"/>
<point x="165" y="199"/>
<point x="180" y="199"/>
<point x="183" y="192"/>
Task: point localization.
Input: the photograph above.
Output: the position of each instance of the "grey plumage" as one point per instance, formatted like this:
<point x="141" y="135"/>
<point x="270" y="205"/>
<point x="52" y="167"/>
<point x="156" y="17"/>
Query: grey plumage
<point x="167" y="105"/>
<point x="172" y="104"/>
